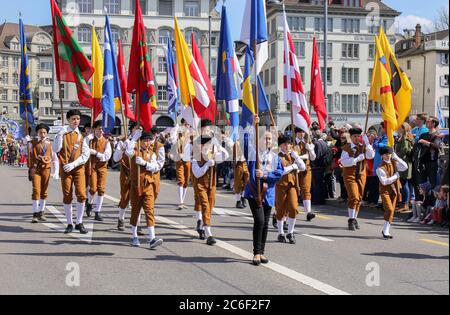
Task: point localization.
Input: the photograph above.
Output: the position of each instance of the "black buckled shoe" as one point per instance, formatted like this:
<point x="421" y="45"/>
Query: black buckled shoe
<point x="200" y="231"/>
<point x="35" y="218"/>
<point x="274" y="221"/>
<point x="211" y="241"/>
<point x="310" y="217"/>
<point x="387" y="237"/>
<point x="282" y="238"/>
<point x="69" y="229"/>
<point x="120" y="225"/>
<point x="155" y="243"/>
<point x="244" y="202"/>
<point x="291" y="238"/>
<point x="356" y="224"/>
<point x="41" y="216"/>
<point x="80" y="227"/>
<point x="98" y="217"/>
<point x="351" y="224"/>
<point x="239" y="205"/>
<point x="88" y="209"/>
<point x="264" y="260"/>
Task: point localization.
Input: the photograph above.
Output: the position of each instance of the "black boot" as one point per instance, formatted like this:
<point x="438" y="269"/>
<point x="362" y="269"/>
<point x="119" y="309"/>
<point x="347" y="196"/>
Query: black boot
<point x="41" y="216"/>
<point x="387" y="237"/>
<point x="211" y="241"/>
<point x="80" y="227"/>
<point x="356" y="224"/>
<point x="239" y="205"/>
<point x="69" y="229"/>
<point x="310" y="217"/>
<point x="88" y="209"/>
<point x="291" y="238"/>
<point x="274" y="221"/>
<point x="35" y="218"/>
<point x="351" y="224"/>
<point x="98" y="217"/>
<point x="120" y="225"/>
<point x="200" y="231"/>
<point x="282" y="239"/>
<point x="244" y="202"/>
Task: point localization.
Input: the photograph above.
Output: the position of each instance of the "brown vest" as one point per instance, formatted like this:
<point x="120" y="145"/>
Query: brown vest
<point x="69" y="141"/>
<point x="301" y="150"/>
<point x="291" y="178"/>
<point x="98" y="145"/>
<point x="146" y="176"/>
<point x="41" y="155"/>
<point x="389" y="169"/>
<point x="360" y="167"/>
<point x="205" y="180"/>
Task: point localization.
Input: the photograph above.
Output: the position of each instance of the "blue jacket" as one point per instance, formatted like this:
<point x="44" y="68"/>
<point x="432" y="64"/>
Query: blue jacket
<point x="417" y="132"/>
<point x="377" y="145"/>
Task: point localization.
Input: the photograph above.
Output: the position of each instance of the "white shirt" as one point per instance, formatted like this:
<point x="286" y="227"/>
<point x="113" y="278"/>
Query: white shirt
<point x="157" y="160"/>
<point x="311" y="155"/>
<point x="58" y="144"/>
<point x="220" y="156"/>
<point x="401" y="166"/>
<point x="105" y="156"/>
<point x="348" y="161"/>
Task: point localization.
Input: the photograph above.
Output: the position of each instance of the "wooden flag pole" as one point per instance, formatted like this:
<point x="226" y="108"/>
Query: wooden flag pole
<point x="61" y="103"/>
<point x="258" y="181"/>
<point x="138" y="110"/>
<point x="367" y="119"/>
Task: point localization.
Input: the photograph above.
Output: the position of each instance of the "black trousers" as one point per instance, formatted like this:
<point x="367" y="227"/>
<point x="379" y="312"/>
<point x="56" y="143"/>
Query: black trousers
<point x="318" y="188"/>
<point x="261" y="218"/>
<point x="429" y="172"/>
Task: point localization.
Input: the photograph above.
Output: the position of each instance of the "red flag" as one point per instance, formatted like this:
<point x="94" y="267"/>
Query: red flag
<point x="140" y="76"/>
<point x="123" y="85"/>
<point x="317" y="98"/>
<point x="204" y="111"/>
<point x="71" y="63"/>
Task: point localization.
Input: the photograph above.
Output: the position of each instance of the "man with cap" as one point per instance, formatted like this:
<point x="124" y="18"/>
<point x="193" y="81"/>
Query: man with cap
<point x="205" y="182"/>
<point x="305" y="149"/>
<point x="354" y="155"/>
<point x="388" y="174"/>
<point x="73" y="153"/>
<point x="42" y="158"/>
<point x="125" y="179"/>
<point x="181" y="138"/>
<point x="147" y="160"/>
<point x="287" y="190"/>
<point x="100" y="149"/>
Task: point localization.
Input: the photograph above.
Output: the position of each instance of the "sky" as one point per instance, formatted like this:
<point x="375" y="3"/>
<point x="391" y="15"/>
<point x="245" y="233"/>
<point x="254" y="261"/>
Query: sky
<point x="37" y="12"/>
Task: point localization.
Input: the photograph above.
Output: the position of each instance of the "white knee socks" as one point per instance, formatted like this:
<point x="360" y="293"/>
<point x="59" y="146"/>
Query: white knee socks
<point x="280" y="224"/>
<point x="99" y="203"/>
<point x="68" y="212"/>
<point x="42" y="204"/>
<point x="307" y="206"/>
<point x="387" y="228"/>
<point x="35" y="206"/>
<point x="80" y="212"/>
<point x="181" y="194"/>
<point x="121" y="214"/>
<point x="134" y="231"/>
<point x="208" y="231"/>
<point x="351" y="213"/>
<point x="291" y="225"/>
<point x="151" y="233"/>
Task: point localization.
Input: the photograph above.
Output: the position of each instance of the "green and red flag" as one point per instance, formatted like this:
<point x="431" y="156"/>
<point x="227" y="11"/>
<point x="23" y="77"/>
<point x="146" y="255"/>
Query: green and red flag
<point x="71" y="63"/>
<point x="140" y="76"/>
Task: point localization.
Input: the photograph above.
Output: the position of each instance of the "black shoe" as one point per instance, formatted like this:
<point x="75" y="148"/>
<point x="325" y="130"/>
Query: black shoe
<point x="80" y="227"/>
<point x="285" y="226"/>
<point x="140" y="232"/>
<point x="264" y="260"/>
<point x="35" y="218"/>
<point x="256" y="262"/>
<point x="239" y="205"/>
<point x="98" y="217"/>
<point x="155" y="243"/>
<point x="201" y="233"/>
<point x="244" y="202"/>
<point x="291" y="238"/>
<point x="351" y="224"/>
<point x="274" y="221"/>
<point x="282" y="239"/>
<point x="41" y="216"/>
<point x="88" y="209"/>
<point x="356" y="224"/>
<point x="310" y="217"/>
<point x="69" y="229"/>
<point x="120" y="225"/>
<point x="387" y="237"/>
<point x="211" y="241"/>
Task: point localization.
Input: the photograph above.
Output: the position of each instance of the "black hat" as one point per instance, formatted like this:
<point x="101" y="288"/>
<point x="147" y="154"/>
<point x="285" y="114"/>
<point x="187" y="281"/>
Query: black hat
<point x="284" y="139"/>
<point x="73" y="112"/>
<point x="132" y="124"/>
<point x="205" y="139"/>
<point x="355" y="131"/>
<point x="206" y="123"/>
<point x="154" y="130"/>
<point x="97" y="124"/>
<point x="297" y="130"/>
<point x="386" y="150"/>
<point x="88" y="125"/>
<point x="42" y="126"/>
<point x="147" y="136"/>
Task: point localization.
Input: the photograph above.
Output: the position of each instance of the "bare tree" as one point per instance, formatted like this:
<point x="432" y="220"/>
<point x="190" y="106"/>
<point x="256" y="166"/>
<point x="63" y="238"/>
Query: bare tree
<point x="442" y="19"/>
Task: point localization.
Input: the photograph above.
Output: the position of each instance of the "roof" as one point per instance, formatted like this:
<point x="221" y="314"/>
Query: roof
<point x="335" y="8"/>
<point x="412" y="50"/>
<point x="9" y="30"/>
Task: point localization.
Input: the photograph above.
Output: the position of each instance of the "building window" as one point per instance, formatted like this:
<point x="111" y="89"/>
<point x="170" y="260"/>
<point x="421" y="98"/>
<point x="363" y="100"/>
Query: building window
<point x="191" y="8"/>
<point x="444" y="81"/>
<point x="350" y="104"/>
<point x="370" y="76"/>
<point x="273" y="26"/>
<point x="374" y="107"/>
<point x="162" y="93"/>
<point x="165" y="7"/>
<point x="84" y="34"/>
<point x="213" y="67"/>
<point x="444" y="59"/>
<point x="165" y="35"/>
<point x="272" y="75"/>
<point x="302" y="73"/>
<point x="321" y="46"/>
<point x="350" y="75"/>
<point x="351" y="26"/>
<point x="162" y="66"/>
<point x="15" y="95"/>
<point x="5" y="109"/>
<point x="112" y="6"/>
<point x="188" y="36"/>
<point x="446" y="103"/>
<point x="350" y="51"/>
<point x="46" y="65"/>
<point x="46" y="81"/>
<point x="300" y="49"/>
<point x="15" y="62"/>
<point x="296" y="23"/>
<point x="16" y="110"/>
<point x="215" y="37"/>
<point x="63" y="91"/>
<point x="408" y="64"/>
<point x="372" y="51"/>
<point x="352" y="3"/>
<point x="15" y="79"/>
<point x="85" y="6"/>
<point x="4" y="96"/>
<point x="266" y="77"/>
<point x="329" y="74"/>
<point x="330" y="104"/>
<point x="273" y="51"/>
<point x="143" y="4"/>
<point x="4" y="78"/>
<point x="319" y="24"/>
<point x="115" y="31"/>
<point x="5" y="61"/>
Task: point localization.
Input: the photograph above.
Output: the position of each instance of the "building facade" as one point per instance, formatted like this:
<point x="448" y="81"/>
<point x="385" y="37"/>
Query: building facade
<point x="193" y="17"/>
<point x="426" y="60"/>
<point x="38" y="41"/>
<point x="350" y="55"/>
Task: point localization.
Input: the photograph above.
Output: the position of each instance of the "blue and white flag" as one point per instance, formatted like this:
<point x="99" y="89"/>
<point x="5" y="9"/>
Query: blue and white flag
<point x="26" y="101"/>
<point x="173" y="95"/>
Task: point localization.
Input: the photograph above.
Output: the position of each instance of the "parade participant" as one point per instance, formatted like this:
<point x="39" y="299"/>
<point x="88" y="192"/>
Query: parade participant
<point x="125" y="179"/>
<point x="305" y="149"/>
<point x="388" y="174"/>
<point x="100" y="149"/>
<point x="205" y="182"/>
<point x="73" y="153"/>
<point x="42" y="158"/>
<point x="269" y="173"/>
<point x="182" y="138"/>
<point x="149" y="158"/>
<point x="87" y="130"/>
<point x="353" y="160"/>
<point x="287" y="189"/>
<point x="241" y="176"/>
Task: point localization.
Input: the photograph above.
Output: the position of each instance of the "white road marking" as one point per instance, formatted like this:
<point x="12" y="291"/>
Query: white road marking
<point x="231" y="213"/>
<point x="292" y="274"/>
<point x="62" y="218"/>
<point x="319" y="238"/>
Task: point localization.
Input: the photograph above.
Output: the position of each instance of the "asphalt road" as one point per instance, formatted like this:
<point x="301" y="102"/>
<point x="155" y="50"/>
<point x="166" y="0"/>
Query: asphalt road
<point x="327" y="259"/>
